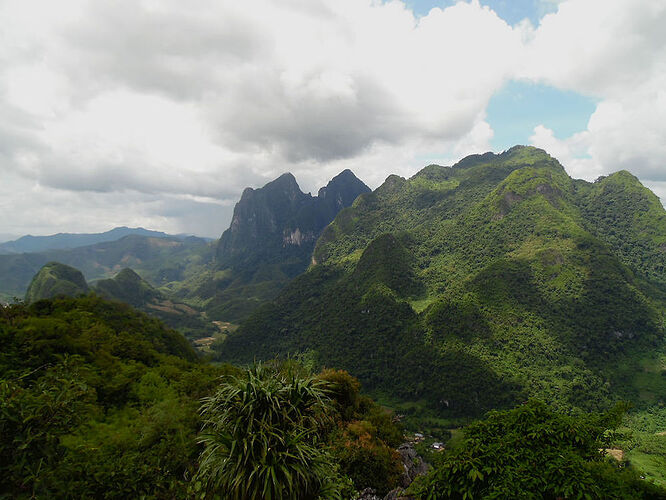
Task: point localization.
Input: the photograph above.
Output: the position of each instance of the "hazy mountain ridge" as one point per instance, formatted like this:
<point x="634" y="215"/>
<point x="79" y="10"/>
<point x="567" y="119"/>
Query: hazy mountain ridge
<point x="64" y="241"/>
<point x="514" y="290"/>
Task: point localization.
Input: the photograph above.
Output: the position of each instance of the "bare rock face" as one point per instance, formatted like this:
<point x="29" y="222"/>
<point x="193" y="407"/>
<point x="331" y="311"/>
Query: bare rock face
<point x="279" y="216"/>
<point x="397" y="494"/>
<point x="413" y="464"/>
<point x="270" y="241"/>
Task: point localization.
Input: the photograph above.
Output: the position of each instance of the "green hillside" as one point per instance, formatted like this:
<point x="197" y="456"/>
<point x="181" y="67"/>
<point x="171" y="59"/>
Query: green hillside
<point x="56" y="279"/>
<point x="128" y="287"/>
<point x="159" y="260"/>
<point x="476" y="286"/>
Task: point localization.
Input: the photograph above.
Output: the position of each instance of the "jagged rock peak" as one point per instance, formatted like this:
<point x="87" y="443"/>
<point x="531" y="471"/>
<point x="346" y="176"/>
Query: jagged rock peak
<point x="280" y="215"/>
<point x="342" y="190"/>
<point x="285" y="181"/>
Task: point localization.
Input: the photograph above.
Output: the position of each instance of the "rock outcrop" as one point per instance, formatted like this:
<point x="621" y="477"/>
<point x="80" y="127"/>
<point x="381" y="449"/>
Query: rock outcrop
<point x="413" y="466"/>
<point x="280" y="216"/>
<point x="270" y="241"/>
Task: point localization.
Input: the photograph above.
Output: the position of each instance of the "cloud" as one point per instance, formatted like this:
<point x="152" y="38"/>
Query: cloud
<point x="156" y="111"/>
<point x="615" y="52"/>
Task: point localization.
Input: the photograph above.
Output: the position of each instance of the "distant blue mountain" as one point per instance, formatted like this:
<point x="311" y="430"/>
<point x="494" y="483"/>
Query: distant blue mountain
<point x="63" y="241"/>
<point x="7" y="237"/>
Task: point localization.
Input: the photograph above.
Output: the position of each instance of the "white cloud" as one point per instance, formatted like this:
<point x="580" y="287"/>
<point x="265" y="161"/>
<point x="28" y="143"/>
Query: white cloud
<point x="571" y="152"/>
<point x="614" y="51"/>
<point x="121" y="109"/>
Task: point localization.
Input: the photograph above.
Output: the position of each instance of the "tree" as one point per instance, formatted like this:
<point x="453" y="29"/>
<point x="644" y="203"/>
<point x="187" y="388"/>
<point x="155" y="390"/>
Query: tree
<point x="263" y="436"/>
<point x="533" y="452"/>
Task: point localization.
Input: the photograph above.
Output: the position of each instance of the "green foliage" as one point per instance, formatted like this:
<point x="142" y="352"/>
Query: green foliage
<point x="32" y="418"/>
<point x="365" y="458"/>
<point x="263" y="438"/>
<point x="532" y="452"/>
<point x="97" y="400"/>
<point x="387" y="262"/>
<point x="461" y="318"/>
<point x="630" y="219"/>
<point x="365" y="436"/>
<point x="128" y="287"/>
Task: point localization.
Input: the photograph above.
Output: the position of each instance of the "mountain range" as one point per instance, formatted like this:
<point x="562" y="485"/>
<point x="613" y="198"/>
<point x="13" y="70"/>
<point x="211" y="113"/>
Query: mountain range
<point x="55" y="279"/>
<point x="160" y="260"/>
<point x="473" y="287"/>
<point x="62" y="241"/>
<point x="461" y="289"/>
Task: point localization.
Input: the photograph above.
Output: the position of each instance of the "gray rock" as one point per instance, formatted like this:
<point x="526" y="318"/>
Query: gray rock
<point x="412" y="463"/>
<point x="368" y="494"/>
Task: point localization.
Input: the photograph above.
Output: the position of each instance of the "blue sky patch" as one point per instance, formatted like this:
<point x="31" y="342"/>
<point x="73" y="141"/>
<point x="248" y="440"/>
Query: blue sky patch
<point x="518" y="107"/>
<point x="512" y="11"/>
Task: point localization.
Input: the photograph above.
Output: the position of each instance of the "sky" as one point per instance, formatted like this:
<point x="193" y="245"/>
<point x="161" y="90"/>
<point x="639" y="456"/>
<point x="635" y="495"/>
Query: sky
<point x="158" y="113"/>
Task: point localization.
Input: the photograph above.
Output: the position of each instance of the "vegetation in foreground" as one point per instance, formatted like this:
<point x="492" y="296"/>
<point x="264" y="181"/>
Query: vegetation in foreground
<point x="535" y="452"/>
<point x="98" y="400"/>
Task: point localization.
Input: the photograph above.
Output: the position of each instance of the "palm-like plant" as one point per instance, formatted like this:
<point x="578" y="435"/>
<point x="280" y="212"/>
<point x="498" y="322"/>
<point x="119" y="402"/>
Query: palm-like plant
<point x="262" y="434"/>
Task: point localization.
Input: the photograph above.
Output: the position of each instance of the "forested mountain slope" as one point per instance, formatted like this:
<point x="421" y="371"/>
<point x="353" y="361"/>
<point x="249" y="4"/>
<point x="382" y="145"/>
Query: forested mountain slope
<point x="476" y="286"/>
<point x="56" y="279"/>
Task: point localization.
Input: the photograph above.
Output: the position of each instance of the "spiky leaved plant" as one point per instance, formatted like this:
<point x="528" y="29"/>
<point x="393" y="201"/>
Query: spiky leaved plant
<point x="262" y="435"/>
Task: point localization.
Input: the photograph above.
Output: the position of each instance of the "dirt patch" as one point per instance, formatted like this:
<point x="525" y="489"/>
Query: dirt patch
<point x="204" y="342"/>
<point x="165" y="309"/>
<point x="616" y="453"/>
<point x="225" y="327"/>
